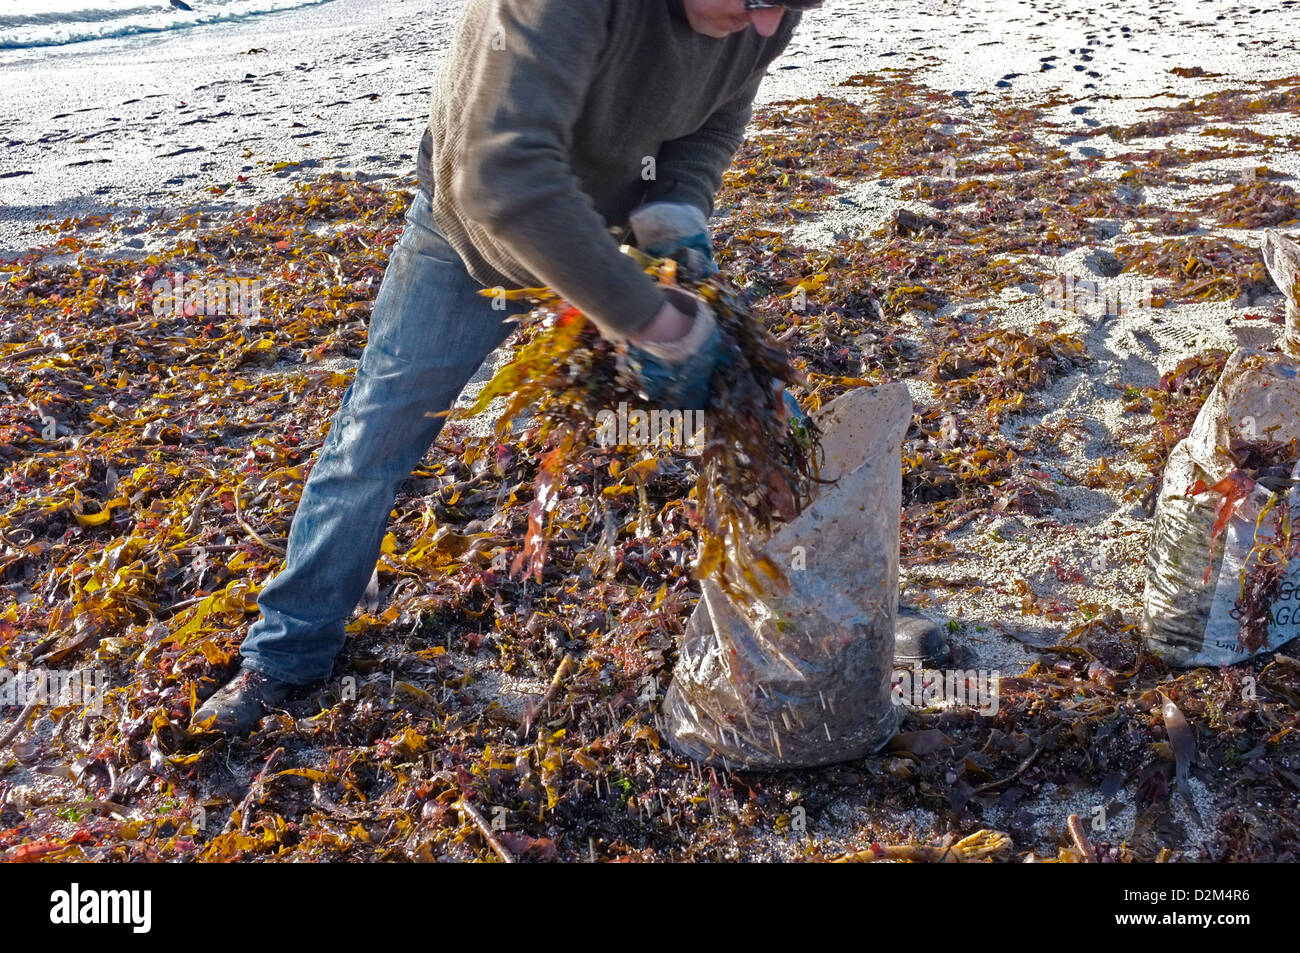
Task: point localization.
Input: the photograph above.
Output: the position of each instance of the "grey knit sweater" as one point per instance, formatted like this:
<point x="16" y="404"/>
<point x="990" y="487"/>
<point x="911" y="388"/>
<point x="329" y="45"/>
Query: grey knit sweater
<point x="553" y="119"/>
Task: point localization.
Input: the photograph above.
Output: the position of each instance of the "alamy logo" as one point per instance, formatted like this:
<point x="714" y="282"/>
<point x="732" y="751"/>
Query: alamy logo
<point x="54" y="687"/>
<point x="925" y="688"/>
<point x="74" y="906"/>
<point x="1099" y="299"/>
<point x="201" y="297"/>
<point x="648" y="428"/>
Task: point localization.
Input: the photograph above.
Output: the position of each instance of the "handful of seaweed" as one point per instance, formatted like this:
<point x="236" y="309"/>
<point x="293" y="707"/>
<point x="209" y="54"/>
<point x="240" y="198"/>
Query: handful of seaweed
<point x="757" y="466"/>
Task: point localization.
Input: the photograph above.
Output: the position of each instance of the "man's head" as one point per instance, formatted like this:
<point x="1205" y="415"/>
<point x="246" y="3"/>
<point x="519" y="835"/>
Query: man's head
<point x="719" y="18"/>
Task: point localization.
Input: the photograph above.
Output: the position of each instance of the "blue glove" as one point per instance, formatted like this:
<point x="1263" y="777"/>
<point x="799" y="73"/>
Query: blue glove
<point x="676" y="375"/>
<point x="675" y="230"/>
<point x="798" y="420"/>
<point x="797" y="416"/>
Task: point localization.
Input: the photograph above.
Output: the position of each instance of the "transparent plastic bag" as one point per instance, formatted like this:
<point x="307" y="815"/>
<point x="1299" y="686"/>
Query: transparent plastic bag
<point x="802" y="676"/>
<point x="1192" y="588"/>
<point x="1190" y="605"/>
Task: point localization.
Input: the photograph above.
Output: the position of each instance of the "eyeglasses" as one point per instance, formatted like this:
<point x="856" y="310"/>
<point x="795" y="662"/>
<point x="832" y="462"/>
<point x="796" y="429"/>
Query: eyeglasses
<point x="763" y="5"/>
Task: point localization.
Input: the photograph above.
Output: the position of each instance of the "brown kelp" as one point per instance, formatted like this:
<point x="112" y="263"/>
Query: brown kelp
<point x="757" y="465"/>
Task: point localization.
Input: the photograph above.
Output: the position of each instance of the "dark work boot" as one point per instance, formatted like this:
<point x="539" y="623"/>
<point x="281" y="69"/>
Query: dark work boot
<point x="240" y="704"/>
<point x="918" y="640"/>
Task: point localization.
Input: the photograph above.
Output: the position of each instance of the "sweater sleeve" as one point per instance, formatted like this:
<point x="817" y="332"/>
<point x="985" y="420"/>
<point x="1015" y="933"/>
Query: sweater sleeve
<point x="513" y="175"/>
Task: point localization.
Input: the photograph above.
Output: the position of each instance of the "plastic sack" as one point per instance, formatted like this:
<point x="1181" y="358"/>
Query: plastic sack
<point x="1192" y="588"/>
<point x="1187" y="620"/>
<point x="802" y="677"/>
<point x="1282" y="259"/>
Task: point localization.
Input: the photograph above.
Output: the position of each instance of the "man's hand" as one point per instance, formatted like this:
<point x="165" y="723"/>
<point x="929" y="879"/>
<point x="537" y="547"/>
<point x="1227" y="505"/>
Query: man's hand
<point x="675" y="230"/>
<point x="675" y="355"/>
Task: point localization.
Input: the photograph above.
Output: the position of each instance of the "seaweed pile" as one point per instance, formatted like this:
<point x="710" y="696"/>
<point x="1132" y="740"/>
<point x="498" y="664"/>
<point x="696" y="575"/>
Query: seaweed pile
<point x="154" y="458"/>
<point x="1202" y="268"/>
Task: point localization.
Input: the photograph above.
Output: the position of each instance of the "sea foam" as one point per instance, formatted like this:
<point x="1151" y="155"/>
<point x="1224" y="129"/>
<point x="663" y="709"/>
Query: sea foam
<point x="34" y="23"/>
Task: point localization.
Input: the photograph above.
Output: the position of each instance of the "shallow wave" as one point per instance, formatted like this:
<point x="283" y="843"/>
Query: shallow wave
<point x="76" y="21"/>
<point x="88" y="12"/>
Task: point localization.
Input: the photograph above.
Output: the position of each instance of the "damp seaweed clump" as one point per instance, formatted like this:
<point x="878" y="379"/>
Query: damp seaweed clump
<point x="1201" y="268"/>
<point x="758" y="466"/>
<point x="1267" y="463"/>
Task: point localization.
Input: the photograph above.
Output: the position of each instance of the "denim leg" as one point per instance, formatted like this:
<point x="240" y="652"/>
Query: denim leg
<point x="430" y="330"/>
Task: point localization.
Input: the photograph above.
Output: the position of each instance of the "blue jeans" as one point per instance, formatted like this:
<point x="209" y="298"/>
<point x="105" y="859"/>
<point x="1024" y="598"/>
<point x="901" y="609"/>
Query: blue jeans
<point x="429" y="332"/>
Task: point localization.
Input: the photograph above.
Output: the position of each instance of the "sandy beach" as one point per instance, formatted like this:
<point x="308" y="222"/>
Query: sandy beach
<point x="130" y="133"/>
<point x="155" y="122"/>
